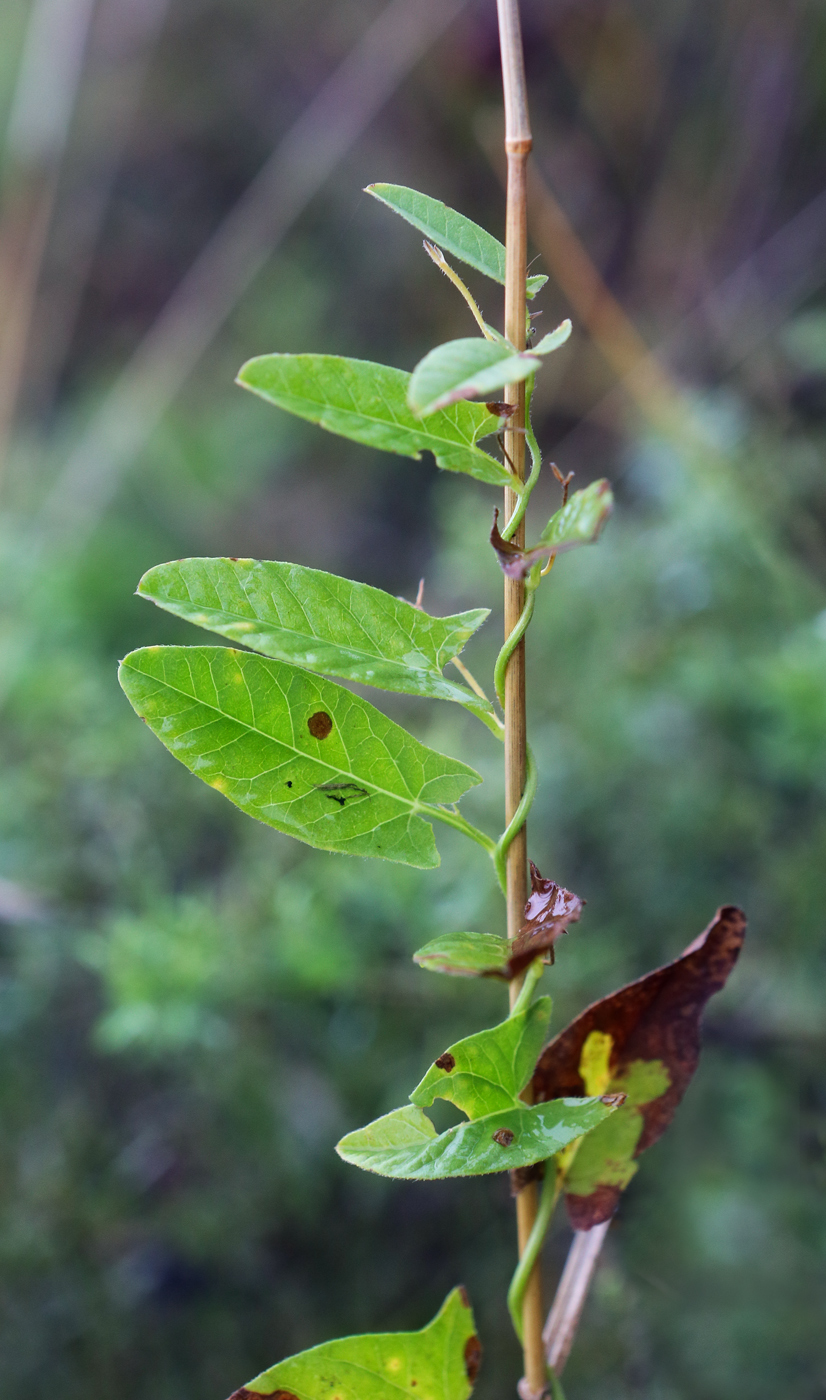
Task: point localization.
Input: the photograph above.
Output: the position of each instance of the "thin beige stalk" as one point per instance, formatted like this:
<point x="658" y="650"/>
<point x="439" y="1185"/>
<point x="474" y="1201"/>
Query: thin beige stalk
<point x="517" y="147"/>
<point x="563" y="1319"/>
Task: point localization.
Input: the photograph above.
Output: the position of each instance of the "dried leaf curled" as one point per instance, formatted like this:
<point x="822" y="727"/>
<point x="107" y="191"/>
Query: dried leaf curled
<point x="654" y="1026"/>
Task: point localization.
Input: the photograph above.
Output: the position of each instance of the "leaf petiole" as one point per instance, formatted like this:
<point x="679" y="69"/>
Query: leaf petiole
<point x="529" y="984"/>
<point x="443" y="265"/>
<point x="455" y="819"/>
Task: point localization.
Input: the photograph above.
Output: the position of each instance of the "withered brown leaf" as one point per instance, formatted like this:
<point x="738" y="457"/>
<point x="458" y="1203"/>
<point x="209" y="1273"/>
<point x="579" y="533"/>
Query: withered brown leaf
<point x="548" y="912"/>
<point x="652" y="1021"/>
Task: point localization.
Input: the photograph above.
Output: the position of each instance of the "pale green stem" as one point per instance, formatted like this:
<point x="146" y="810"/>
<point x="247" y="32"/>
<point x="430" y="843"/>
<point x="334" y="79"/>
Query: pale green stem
<point x="557" y="1393"/>
<point x="517" y="821"/>
<point x="526" y="991"/>
<point x="512" y="643"/>
<point x="536" y="466"/>
<point x="551" y="1187"/>
<point x="444" y="266"/>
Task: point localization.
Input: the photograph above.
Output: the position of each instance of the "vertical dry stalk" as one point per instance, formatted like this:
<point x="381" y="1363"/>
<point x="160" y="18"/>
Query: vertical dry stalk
<point x="564" y="1316"/>
<point x="517" y="146"/>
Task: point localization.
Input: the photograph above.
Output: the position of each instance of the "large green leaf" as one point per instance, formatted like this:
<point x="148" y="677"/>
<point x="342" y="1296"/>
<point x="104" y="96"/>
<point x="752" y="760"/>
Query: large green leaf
<point x="465" y="369"/>
<point x="320" y="622"/>
<point x="405" y="1144"/>
<point x="298" y="752"/>
<point x="368" y="403"/>
<point x="439" y="1363"/>
<point x="453" y="232"/>
<point x="487" y="1072"/>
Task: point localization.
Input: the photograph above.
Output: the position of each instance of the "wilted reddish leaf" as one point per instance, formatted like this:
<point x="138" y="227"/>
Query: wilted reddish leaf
<point x="548" y="912"/>
<point x="653" y="1021"/>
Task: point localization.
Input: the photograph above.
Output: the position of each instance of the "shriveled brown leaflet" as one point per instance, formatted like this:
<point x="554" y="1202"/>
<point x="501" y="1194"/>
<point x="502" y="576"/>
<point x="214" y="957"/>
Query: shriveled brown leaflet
<point x="548" y="912"/>
<point x="655" y="1018"/>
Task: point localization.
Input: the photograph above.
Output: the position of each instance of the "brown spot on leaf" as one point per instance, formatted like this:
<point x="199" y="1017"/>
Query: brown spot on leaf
<point x="320" y="724"/>
<point x="463" y="1295"/>
<point x="340" y="792"/>
<point x="503" y="1136"/>
<point x="473" y="1358"/>
<point x="445" y="1061"/>
<point x="655" y="1018"/>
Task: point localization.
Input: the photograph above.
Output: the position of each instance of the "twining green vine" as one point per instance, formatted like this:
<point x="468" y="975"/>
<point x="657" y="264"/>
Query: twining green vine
<point x="261" y="719"/>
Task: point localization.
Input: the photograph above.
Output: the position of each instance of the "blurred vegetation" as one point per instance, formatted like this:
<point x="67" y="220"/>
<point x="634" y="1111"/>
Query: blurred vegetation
<point x="192" y="1008"/>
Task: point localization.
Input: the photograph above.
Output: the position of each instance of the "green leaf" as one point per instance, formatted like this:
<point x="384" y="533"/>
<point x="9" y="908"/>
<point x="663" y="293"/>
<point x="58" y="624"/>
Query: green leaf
<point x="368" y="403"/>
<point x="439" y="1363"/>
<point x="486" y="1072"/>
<point x="295" y="751"/>
<point x="464" y="369"/>
<point x="582" y="517"/>
<point x="320" y="622"/>
<point x="553" y="339"/>
<point x="465" y="955"/>
<point x="404" y="1144"/>
<point x="453" y="232"/>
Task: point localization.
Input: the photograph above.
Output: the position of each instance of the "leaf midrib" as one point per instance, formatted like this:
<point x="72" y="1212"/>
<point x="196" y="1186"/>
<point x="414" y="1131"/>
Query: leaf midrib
<point x="310" y="638"/>
<point x="466" y="444"/>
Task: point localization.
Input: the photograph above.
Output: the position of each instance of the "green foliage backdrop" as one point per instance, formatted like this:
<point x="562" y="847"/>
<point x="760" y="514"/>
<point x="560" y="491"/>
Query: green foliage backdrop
<point x="193" y="1010"/>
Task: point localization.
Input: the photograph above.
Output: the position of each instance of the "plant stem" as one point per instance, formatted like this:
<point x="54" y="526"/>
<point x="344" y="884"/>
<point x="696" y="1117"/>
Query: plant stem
<point x="551" y="1187"/>
<point x="517" y="147"/>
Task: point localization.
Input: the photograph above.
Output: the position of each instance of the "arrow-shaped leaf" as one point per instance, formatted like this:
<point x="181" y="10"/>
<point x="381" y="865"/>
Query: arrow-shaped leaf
<point x="439" y="1363"/>
<point x="298" y="752"/>
<point x="487" y="1072"/>
<point x="578" y="522"/>
<point x="453" y="232"/>
<point x="648" y="1037"/>
<point x="320" y="622"/>
<point x="465" y="369"/>
<point x="368" y="403"/>
<point x="404" y="1144"/>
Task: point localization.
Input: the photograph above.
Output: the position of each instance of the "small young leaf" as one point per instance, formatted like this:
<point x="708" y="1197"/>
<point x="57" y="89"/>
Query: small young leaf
<point x="466" y="955"/>
<point x="654" y="1029"/>
<point x="553" y="339"/>
<point x="320" y="622"/>
<point x="368" y="403"/>
<point x="578" y="522"/>
<point x="298" y="752"/>
<point x="404" y="1144"/>
<point x="453" y="232"/>
<point x="439" y="1363"/>
<point x="465" y="369"/>
<point x="548" y="913"/>
<point x="486" y="1072"/>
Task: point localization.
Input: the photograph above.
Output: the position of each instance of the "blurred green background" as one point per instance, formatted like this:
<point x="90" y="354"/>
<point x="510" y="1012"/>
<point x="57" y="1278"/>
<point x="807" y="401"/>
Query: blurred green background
<point x="192" y="1008"/>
